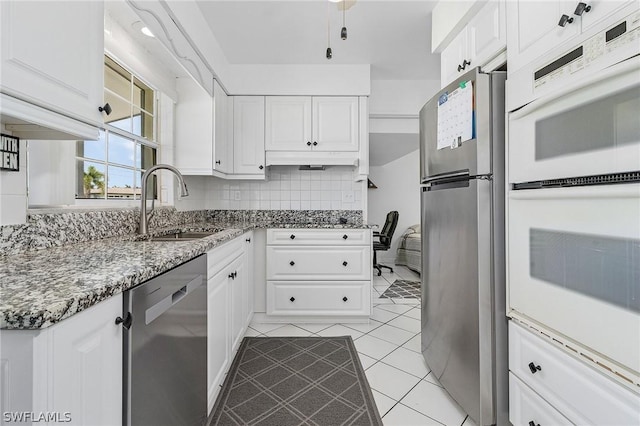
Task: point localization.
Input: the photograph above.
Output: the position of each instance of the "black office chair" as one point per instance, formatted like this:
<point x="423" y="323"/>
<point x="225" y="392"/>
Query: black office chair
<point x="384" y="237"/>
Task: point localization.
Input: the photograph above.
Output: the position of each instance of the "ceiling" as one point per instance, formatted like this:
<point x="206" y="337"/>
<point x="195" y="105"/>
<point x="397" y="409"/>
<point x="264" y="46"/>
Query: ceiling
<point x="393" y="36"/>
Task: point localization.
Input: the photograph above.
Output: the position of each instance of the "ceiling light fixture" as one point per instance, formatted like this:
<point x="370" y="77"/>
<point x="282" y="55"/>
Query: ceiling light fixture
<point x="146" y="31"/>
<point x="343" y="32"/>
<point x="329" y="52"/>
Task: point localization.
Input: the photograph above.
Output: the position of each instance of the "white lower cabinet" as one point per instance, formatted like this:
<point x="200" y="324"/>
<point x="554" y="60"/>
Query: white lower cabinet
<point x="229" y="307"/>
<point x="526" y="407"/>
<point x="70" y="372"/>
<point x="541" y="372"/>
<point x="319" y="272"/>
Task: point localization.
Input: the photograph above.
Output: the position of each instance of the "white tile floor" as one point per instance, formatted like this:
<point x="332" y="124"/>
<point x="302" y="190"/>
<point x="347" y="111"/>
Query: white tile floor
<point x="404" y="389"/>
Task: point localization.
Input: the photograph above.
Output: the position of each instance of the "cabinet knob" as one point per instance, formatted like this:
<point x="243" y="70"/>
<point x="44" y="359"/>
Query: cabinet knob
<point x="218" y="162"/>
<point x="106" y="108"/>
<point x="582" y="8"/>
<point x="564" y="20"/>
<point x="126" y="321"/>
<point x="292" y="263"/>
<point x="232" y="275"/>
<point x="344" y="263"/>
<point x="344" y="299"/>
<point x="345" y="236"/>
<point x="293" y="299"/>
<point x="308" y="143"/>
<point x="532" y="423"/>
<point x="315" y="143"/>
<point x="292" y="236"/>
<point x="261" y="167"/>
<point x="534" y="368"/>
<point x="248" y="240"/>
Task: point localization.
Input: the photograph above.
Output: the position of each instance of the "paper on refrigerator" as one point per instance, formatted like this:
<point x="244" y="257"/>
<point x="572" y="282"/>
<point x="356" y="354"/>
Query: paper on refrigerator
<point x="455" y="116"/>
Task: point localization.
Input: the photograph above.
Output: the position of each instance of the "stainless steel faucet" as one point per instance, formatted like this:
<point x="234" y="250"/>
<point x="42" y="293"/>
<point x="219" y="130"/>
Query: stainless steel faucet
<point x="142" y="228"/>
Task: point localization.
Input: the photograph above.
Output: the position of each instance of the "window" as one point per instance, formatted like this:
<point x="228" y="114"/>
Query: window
<point x="112" y="167"/>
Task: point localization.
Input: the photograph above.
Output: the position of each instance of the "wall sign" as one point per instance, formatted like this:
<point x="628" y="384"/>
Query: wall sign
<point x="9" y="153"/>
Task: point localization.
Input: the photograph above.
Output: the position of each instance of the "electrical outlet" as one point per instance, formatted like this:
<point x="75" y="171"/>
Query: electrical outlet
<point x="236" y="195"/>
<point x="347" y="197"/>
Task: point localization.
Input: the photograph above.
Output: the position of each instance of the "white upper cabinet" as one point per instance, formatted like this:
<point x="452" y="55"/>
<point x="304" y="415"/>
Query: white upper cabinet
<point x="452" y="58"/>
<point x="194" y="116"/>
<point x="335" y="123"/>
<point x="537" y="28"/>
<point x="302" y="123"/>
<point x="248" y="135"/>
<point x="477" y="44"/>
<point x="203" y="134"/>
<point x="222" y="149"/>
<point x="534" y="28"/>
<point x="288" y="123"/>
<point x="52" y="56"/>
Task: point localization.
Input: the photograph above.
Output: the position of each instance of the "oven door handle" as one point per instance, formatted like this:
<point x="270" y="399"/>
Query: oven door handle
<point x="612" y="79"/>
<point x="631" y="190"/>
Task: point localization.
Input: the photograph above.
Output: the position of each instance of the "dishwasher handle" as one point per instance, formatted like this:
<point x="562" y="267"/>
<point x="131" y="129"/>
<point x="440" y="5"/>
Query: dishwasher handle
<point x="165" y="304"/>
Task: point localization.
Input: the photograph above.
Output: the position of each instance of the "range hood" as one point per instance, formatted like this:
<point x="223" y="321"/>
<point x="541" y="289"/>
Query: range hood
<point x="28" y="121"/>
<point x="311" y="158"/>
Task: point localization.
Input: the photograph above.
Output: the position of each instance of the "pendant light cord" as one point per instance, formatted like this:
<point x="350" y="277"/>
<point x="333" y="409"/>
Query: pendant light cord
<point x="328" y="24"/>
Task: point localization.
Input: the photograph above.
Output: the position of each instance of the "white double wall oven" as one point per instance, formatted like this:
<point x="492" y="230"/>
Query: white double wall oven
<point x="573" y="230"/>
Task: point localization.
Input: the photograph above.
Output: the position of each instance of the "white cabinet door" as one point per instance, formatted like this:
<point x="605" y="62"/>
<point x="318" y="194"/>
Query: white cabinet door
<point x="250" y="277"/>
<point x="288" y="123"/>
<point x="222" y="150"/>
<point x="526" y="406"/>
<point x="533" y="28"/>
<point x="335" y="124"/>
<point x="86" y="365"/>
<point x="237" y="283"/>
<point x="52" y="55"/>
<point x="487" y="33"/>
<point x="600" y="9"/>
<point x="452" y="58"/>
<point x="248" y="135"/>
<point x="218" y="331"/>
<point x="194" y="129"/>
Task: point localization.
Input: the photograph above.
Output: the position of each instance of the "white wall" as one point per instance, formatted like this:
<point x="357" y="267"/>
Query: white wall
<point x="400" y="97"/>
<point x="398" y="189"/>
<point x="290" y="189"/>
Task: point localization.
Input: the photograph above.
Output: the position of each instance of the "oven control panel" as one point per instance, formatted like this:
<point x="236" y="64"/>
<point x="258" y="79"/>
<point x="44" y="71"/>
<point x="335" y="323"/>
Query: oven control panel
<point x="619" y="36"/>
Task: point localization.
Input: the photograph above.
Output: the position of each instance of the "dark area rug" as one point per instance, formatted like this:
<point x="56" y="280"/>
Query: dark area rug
<point x="402" y="289"/>
<point x="282" y="381"/>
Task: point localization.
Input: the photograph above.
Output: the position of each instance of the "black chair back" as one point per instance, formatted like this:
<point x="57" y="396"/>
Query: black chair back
<point x="389" y="228"/>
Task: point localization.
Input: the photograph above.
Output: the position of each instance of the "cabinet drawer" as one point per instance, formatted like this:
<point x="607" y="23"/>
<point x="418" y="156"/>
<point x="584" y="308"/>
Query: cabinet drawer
<point x="526" y="406"/>
<point x="318" y="263"/>
<point x="582" y="394"/>
<point x="318" y="298"/>
<point x="334" y="237"/>
<point x="219" y="257"/>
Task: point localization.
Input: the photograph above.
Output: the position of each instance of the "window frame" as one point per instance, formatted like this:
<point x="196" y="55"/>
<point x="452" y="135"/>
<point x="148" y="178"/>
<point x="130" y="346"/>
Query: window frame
<point x="140" y="142"/>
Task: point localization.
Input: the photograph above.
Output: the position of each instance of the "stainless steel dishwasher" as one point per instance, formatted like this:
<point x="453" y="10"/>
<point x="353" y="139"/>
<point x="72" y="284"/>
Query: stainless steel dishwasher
<point x="165" y="348"/>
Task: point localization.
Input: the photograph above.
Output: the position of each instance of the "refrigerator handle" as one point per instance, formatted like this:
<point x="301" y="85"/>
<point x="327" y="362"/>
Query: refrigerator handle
<point x="457" y="175"/>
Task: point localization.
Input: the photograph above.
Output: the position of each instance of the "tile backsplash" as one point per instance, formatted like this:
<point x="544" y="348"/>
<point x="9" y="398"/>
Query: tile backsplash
<point x="288" y="188"/>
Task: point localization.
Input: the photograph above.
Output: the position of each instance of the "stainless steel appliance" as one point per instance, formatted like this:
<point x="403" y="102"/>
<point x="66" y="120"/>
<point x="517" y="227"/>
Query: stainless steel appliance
<point x="464" y="327"/>
<point x="165" y="348"/>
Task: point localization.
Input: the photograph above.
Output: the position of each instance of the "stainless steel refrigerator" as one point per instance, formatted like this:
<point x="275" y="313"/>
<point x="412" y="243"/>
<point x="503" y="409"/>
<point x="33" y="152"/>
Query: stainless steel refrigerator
<point x="464" y="327"/>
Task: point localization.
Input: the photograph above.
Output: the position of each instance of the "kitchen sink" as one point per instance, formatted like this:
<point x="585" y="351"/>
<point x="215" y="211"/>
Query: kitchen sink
<point x="182" y="236"/>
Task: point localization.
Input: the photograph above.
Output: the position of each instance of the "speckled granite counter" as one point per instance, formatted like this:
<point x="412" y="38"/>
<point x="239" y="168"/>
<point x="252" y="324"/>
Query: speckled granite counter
<point x="42" y="287"/>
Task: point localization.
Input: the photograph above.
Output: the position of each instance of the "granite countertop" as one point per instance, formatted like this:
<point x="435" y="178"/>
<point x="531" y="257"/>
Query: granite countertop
<point x="40" y="288"/>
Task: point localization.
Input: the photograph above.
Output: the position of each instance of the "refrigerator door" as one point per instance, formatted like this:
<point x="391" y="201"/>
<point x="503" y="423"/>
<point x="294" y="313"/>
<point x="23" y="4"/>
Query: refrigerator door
<point x="473" y="155"/>
<point x="457" y="336"/>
